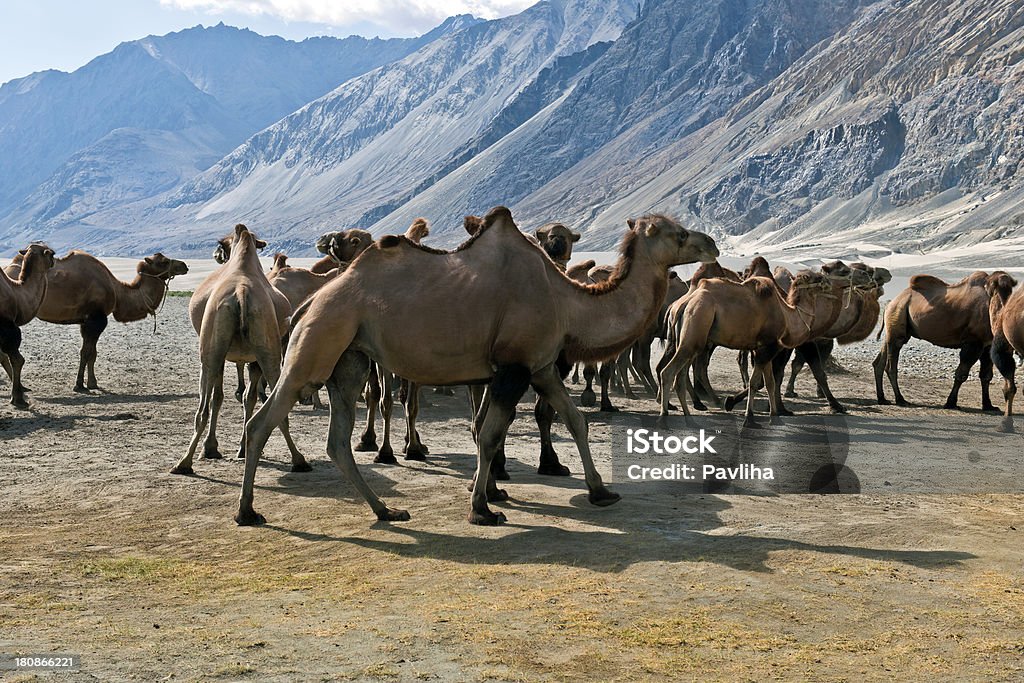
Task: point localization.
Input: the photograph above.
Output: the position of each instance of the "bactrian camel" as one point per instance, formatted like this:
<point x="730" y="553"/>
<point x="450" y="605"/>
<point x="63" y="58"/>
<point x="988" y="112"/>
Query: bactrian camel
<point x="752" y="316"/>
<point x="517" y="313"/>
<point x="20" y="298"/>
<point x="240" y="318"/>
<point x="1006" y="313"/>
<point x="82" y="291"/>
<point x="950" y="316"/>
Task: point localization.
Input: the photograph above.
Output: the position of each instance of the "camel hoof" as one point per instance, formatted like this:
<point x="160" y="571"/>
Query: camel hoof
<point x="791" y="394"/>
<point x="951" y="406"/>
<point x="302" y="467"/>
<point x="179" y="469"/>
<point x="486" y="518"/>
<point x="212" y="454"/>
<point x="1006" y="426"/>
<point x="249" y="518"/>
<point x="553" y="469"/>
<point x="588" y="399"/>
<point x="989" y="409"/>
<point x="80" y="390"/>
<point x="883" y="402"/>
<point x="497" y="496"/>
<point x="608" y="408"/>
<point x="671" y="406"/>
<point x="730" y="403"/>
<point x="386" y="457"/>
<point x="750" y="423"/>
<point x="603" y="497"/>
<point x="902" y="403"/>
<point x="500" y="475"/>
<point x="786" y="412"/>
<point x="92" y="385"/>
<point x="21" y="404"/>
<point x="367" y="445"/>
<point x="417" y="454"/>
<point x="838" y="409"/>
<point x="390" y="515"/>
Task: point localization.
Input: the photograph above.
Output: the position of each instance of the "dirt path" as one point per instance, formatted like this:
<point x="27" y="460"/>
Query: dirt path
<point x="104" y="554"/>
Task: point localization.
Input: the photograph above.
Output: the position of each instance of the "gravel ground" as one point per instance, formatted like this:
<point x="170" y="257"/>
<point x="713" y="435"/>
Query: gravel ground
<point x="105" y="554"/>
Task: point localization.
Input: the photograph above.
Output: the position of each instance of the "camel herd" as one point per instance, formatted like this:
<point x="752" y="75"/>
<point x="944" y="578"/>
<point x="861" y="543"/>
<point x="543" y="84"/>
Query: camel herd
<point x="500" y="314"/>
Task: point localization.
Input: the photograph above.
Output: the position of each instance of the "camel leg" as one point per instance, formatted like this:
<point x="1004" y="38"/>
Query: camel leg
<point x="549" y="464"/>
<point x="576" y="373"/>
<point x="503" y="393"/>
<point x="606" y="372"/>
<point x="269" y="360"/>
<point x="668" y="376"/>
<point x="703" y="380"/>
<point x="91" y="330"/>
<point x="368" y="441"/>
<point x="5" y="363"/>
<point x="1002" y="357"/>
<point x="240" y="390"/>
<point x="794" y="370"/>
<point x="317" y="403"/>
<point x="892" y="369"/>
<point x="588" y="398"/>
<point x="207" y="377"/>
<point x="878" y="365"/>
<point x="211" y="447"/>
<point x="743" y="361"/>
<point x="386" y="455"/>
<point x="772" y="387"/>
<point x="985" y="375"/>
<point x="548" y="385"/>
<point x="969" y="355"/>
<point x="623" y="365"/>
<point x="10" y="345"/>
<point x="762" y="361"/>
<point x="249" y="401"/>
<point x="414" y="450"/>
<point x="642" y="363"/>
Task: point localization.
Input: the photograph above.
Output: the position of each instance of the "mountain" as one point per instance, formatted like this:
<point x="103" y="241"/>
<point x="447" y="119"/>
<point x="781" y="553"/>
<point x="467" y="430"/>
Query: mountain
<point x="379" y="139"/>
<point x="154" y="112"/>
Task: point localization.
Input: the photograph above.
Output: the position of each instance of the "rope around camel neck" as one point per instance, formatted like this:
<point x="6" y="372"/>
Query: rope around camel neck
<point x="154" y="310"/>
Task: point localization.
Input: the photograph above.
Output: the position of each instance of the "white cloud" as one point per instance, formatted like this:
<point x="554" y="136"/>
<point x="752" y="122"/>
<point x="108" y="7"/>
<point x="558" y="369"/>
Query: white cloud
<point x="399" y="15"/>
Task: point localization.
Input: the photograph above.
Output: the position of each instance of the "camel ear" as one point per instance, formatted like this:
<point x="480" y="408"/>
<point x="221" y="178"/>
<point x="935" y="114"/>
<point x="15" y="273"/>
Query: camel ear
<point x="260" y="244"/>
<point x="576" y="237"/>
<point x="23" y="252"/>
<point x="540" y="234"/>
<point x="631" y="222"/>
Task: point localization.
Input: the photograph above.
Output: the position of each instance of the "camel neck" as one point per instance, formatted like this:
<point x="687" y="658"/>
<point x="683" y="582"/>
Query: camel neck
<point x="605" y="319"/>
<point x="31" y="284"/>
<point x="138" y="298"/>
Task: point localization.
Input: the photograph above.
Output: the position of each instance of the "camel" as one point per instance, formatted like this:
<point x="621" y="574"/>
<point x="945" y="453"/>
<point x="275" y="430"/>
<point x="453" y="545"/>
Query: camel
<point x="20" y="299"/>
<point x="1006" y="314"/>
<point x="82" y="291"/>
<point x="241" y="318"/>
<point x="855" y="323"/>
<point x="848" y="281"/>
<point x="640" y="354"/>
<point x="751" y="315"/>
<point x="518" y="316"/>
<point x="950" y="316"/>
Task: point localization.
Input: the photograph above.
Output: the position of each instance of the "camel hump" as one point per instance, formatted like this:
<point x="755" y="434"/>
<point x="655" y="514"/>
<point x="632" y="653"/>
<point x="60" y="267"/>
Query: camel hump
<point x="927" y="283"/>
<point x="762" y="286"/>
<point x="977" y="279"/>
<point x="472" y="224"/>
<point x="418" y="230"/>
<point x="389" y="241"/>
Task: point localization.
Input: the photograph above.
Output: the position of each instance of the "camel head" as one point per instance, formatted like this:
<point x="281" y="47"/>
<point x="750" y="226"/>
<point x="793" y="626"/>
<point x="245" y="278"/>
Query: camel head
<point x="344" y="245"/>
<point x="667" y="242"/>
<point x="418" y="230"/>
<point x="280" y="261"/>
<point x="841" y="273"/>
<point x="223" y="251"/>
<point x="758" y="267"/>
<point x="1000" y="284"/>
<point x="557" y="241"/>
<point x="35" y="255"/>
<point x="160" y="266"/>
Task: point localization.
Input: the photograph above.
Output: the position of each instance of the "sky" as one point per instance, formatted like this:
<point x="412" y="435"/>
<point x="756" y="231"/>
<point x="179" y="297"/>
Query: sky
<point x="65" y="34"/>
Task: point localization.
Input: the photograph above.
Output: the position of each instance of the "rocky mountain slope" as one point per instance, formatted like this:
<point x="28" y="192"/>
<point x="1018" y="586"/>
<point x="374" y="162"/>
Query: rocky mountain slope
<point x="154" y="112"/>
<point x="838" y="127"/>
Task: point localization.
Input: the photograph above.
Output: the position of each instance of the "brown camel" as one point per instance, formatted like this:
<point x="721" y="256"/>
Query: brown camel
<point x="751" y="315"/>
<point x="518" y="315"/>
<point x="640" y="355"/>
<point x="240" y="318"/>
<point x="855" y="323"/>
<point x="950" y="316"/>
<point x="1006" y="313"/>
<point x="82" y="291"/>
<point x="20" y="299"/>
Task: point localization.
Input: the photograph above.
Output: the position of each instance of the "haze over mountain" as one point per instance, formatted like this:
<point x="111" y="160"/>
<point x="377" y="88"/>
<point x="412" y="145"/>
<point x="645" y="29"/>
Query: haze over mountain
<point x="775" y="124"/>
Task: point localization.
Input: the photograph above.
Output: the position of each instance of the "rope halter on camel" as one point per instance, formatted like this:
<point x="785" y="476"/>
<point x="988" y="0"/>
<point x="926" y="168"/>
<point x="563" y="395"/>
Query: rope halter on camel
<point x="151" y="308"/>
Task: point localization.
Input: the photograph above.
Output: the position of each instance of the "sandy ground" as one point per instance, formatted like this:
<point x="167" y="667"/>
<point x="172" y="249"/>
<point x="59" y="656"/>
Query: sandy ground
<point x="142" y="573"/>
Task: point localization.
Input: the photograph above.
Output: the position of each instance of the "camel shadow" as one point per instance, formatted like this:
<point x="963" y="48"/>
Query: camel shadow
<point x="102" y="397"/>
<point x="27" y="422"/>
<point x="613" y="552"/>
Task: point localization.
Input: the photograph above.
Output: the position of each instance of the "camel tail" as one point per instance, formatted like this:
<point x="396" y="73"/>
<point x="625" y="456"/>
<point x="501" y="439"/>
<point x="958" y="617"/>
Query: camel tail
<point x="880" y="330"/>
<point x="242" y="295"/>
